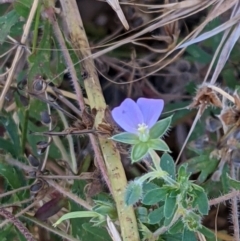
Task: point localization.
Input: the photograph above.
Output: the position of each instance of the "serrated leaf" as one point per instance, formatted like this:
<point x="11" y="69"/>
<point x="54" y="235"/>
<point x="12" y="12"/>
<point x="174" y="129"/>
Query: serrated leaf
<point x="188" y="235"/>
<point x="156" y="216"/>
<point x="202" y="164"/>
<point x="160" y="128"/>
<point x="158" y="144"/>
<point x="127" y="138"/>
<point x="139" y="151"/>
<point x="168" y="165"/>
<point x="6" y="22"/>
<point x="154" y="196"/>
<point x="170" y="206"/>
<point x="133" y="193"/>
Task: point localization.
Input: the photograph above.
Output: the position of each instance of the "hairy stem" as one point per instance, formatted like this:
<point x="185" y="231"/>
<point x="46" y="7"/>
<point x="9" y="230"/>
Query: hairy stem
<point x="19" y="225"/>
<point x="115" y="172"/>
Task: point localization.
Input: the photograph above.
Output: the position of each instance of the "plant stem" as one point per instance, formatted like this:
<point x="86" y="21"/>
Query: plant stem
<point x="19" y="225"/>
<point x="115" y="173"/>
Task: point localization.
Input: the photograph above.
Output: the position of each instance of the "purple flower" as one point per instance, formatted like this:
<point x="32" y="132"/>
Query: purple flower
<point x="138" y="117"/>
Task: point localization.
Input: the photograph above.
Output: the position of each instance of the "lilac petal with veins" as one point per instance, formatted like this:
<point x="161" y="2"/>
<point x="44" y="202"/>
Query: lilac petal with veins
<point x="151" y="110"/>
<point x="128" y="116"/>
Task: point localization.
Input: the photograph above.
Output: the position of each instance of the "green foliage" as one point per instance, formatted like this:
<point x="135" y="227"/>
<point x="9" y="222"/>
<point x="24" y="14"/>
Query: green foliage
<point x="166" y="197"/>
<point x="6" y="23"/>
<point x="133" y="193"/>
<point x="139" y="151"/>
<point x="126" y="138"/>
<point x="160" y="128"/>
<point x="167" y="164"/>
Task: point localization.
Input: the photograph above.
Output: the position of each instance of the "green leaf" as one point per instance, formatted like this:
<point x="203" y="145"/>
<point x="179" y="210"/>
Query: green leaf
<point x="156" y="216"/>
<point x="203" y="164"/>
<point x="8" y="233"/>
<point x="142" y="214"/>
<point x="167" y="164"/>
<point x="105" y="208"/>
<point x="201" y="201"/>
<point x="206" y="232"/>
<point x="154" y="196"/>
<point x="148" y="186"/>
<point x="188" y="235"/>
<point x="6" y="22"/>
<point x="7" y="146"/>
<point x="99" y="233"/>
<point x="170" y="206"/>
<point x="182" y="172"/>
<point x="13" y="176"/>
<point x="23" y="7"/>
<point x="40" y="59"/>
<point x="224" y="178"/>
<point x="158" y="144"/>
<point x="76" y="224"/>
<point x="12" y="130"/>
<point x="177" y="227"/>
<point x="160" y="128"/>
<point x="233" y="183"/>
<point x="167" y="221"/>
<point x="198" y="55"/>
<point x="133" y="193"/>
<point x="139" y="151"/>
<point x="126" y="138"/>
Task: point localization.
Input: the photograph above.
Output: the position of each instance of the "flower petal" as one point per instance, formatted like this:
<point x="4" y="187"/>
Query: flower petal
<point x="151" y="110"/>
<point x="128" y="115"/>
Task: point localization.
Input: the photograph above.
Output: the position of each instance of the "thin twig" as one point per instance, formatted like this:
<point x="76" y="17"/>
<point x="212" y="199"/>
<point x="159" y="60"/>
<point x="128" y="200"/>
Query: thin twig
<point x="19" y="52"/>
<point x="70" y="195"/>
<point x="58" y="34"/>
<point x="25" y="232"/>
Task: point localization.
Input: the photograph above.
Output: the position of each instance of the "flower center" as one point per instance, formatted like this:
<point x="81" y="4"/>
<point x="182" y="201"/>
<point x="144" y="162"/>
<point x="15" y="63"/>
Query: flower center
<point x="143" y="132"/>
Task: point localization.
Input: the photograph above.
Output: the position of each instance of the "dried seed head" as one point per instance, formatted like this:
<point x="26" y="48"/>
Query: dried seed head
<point x="206" y="96"/>
<point x="230" y="116"/>
<point x="231" y="139"/>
